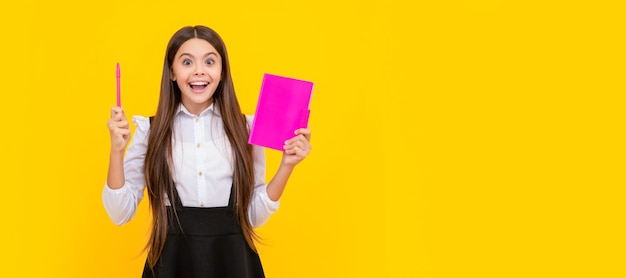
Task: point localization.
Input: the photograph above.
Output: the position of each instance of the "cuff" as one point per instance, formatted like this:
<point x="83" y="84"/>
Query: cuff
<point x="120" y="191"/>
<point x="272" y="206"/>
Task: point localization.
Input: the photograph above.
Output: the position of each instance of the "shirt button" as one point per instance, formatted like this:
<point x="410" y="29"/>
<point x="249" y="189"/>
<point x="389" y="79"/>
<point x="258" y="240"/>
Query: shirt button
<point x="200" y="173"/>
<point x="202" y="204"/>
<point x="197" y="120"/>
<point x="198" y="145"/>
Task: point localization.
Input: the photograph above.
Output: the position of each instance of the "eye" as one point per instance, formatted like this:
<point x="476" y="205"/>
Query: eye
<point x="210" y="62"/>
<point x="187" y="62"/>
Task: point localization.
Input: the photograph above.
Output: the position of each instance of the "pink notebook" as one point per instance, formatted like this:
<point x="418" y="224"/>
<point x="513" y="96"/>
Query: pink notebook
<point x="283" y="107"/>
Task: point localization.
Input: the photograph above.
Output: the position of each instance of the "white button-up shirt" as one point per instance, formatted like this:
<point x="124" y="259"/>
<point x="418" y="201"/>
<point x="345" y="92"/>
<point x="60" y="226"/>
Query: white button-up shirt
<point x="203" y="168"/>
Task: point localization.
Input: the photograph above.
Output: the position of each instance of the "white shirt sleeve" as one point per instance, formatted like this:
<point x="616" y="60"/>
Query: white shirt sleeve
<point x="261" y="206"/>
<point x="121" y="204"/>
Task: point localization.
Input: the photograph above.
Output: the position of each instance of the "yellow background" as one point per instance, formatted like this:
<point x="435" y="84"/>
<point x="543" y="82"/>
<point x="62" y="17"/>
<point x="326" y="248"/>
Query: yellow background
<point x="476" y="138"/>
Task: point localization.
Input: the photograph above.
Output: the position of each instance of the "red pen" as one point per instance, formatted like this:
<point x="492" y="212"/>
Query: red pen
<point x="117" y="75"/>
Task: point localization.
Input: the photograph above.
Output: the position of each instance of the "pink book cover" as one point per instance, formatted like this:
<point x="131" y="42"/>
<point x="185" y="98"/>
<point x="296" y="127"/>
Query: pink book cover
<point x="283" y="107"/>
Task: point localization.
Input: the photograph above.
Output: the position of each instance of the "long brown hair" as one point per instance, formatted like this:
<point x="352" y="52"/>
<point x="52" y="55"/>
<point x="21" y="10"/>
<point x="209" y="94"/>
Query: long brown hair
<point x="158" y="161"/>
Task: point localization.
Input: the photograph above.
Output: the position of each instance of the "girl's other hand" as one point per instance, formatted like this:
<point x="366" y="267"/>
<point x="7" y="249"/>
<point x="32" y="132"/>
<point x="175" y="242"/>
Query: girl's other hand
<point x="119" y="129"/>
<point x="297" y="148"/>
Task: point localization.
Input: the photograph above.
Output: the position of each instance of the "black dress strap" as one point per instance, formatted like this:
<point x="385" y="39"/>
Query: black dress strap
<point x="176" y="202"/>
<point x="231" y="198"/>
<point x="205" y="242"/>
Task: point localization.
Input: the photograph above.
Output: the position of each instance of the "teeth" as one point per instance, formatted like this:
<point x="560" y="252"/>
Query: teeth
<point x="199" y="83"/>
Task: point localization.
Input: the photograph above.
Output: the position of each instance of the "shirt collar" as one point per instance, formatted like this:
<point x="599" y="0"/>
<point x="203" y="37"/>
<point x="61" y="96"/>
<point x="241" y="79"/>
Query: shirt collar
<point x="211" y="109"/>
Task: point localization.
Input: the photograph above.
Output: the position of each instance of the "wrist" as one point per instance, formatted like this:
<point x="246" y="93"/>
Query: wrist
<point x="117" y="154"/>
<point x="286" y="167"/>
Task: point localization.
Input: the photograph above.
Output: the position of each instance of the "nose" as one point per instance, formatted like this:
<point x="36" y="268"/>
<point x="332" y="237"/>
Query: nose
<point x="198" y="71"/>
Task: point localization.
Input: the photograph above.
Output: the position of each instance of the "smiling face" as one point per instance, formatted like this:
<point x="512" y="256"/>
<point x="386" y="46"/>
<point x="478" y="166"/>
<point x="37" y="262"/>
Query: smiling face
<point x="197" y="69"/>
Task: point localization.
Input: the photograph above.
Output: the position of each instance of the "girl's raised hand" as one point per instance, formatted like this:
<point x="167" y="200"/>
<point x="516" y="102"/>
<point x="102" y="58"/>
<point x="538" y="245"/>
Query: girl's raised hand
<point x="297" y="148"/>
<point x="119" y="129"/>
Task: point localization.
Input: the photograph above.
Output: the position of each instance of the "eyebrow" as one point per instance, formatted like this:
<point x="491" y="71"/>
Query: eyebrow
<point x="205" y="55"/>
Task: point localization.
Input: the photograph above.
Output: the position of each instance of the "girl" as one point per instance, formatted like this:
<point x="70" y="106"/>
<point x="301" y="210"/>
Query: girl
<point x="206" y="184"/>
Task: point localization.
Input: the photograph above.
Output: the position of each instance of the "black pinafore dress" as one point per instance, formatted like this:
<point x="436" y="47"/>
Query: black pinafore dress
<point x="208" y="243"/>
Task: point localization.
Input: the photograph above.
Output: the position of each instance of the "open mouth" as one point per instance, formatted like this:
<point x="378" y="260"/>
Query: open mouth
<point x="198" y="87"/>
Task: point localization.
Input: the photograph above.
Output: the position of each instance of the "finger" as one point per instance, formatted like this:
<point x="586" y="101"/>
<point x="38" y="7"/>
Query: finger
<point x="297" y="138"/>
<point x="122" y="124"/>
<point x="118" y="125"/>
<point x="118" y="129"/>
<point x="288" y="147"/>
<point x="116" y="110"/>
<point x="300" y="133"/>
<point x="302" y="144"/>
<point x="289" y="151"/>
<point x="296" y="141"/>
<point x="112" y="124"/>
<point x="117" y="113"/>
<point x="298" y="152"/>
<point x="120" y="134"/>
<point x="120" y="116"/>
<point x="300" y="141"/>
<point x="305" y="132"/>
